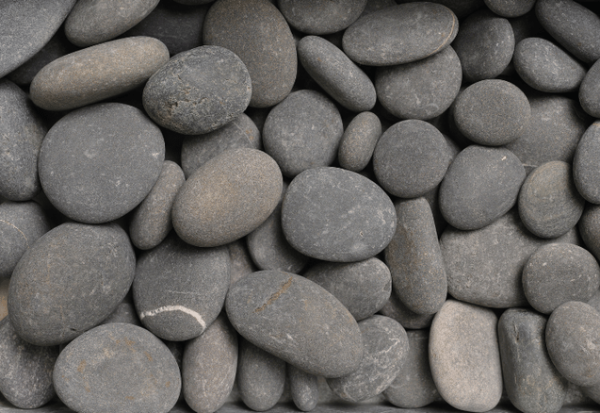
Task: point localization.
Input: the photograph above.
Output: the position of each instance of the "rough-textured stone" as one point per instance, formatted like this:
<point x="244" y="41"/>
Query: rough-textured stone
<point x="510" y="8"/>
<point x="296" y="320"/>
<point x="321" y="16"/>
<point x="358" y="141"/>
<point x="304" y="388"/>
<point x="78" y="273"/>
<point x="586" y="170"/>
<point x="395" y="309"/>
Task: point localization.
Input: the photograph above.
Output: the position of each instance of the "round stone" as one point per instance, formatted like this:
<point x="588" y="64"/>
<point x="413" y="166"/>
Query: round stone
<point x="588" y="92"/>
<point x="510" y="8"/>
<point x="358" y="141"/>
<point x="321" y="16"/>
<point x="304" y="388"/>
<point x="99" y="162"/>
<point x="586" y="169"/>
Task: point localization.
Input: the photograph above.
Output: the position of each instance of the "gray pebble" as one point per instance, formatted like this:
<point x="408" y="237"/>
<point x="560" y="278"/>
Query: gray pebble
<point x="321" y="16"/>
<point x="586" y="171"/>
<point x="193" y="2"/>
<point x="358" y="141"/>
<point x="588" y="91"/>
<point x="304" y="388"/>
<point x="510" y="8"/>
<point x="395" y="309"/>
<point x="589" y="228"/>
<point x="124" y="313"/>
<point x="376" y="5"/>
<point x="241" y="262"/>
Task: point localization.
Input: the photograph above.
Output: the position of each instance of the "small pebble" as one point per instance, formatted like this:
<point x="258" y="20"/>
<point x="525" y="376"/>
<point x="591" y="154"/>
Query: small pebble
<point x="124" y="313"/>
<point x="241" y="262"/>
<point x="321" y="16"/>
<point x="588" y="92"/>
<point x="510" y="8"/>
<point x="586" y="170"/>
<point x="304" y="388"/>
<point x="358" y="141"/>
<point x="589" y="229"/>
<point x="396" y="310"/>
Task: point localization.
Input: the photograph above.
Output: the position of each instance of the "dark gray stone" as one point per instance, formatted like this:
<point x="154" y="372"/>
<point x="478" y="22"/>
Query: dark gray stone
<point x="78" y="275"/>
<point x="98" y="163"/>
<point x="593" y="392"/>
<point x="257" y="32"/>
<point x="376" y="5"/>
<point x="193" y="2"/>
<point x="96" y="21"/>
<point x="339" y="76"/>
<point x="573" y="342"/>
<point x="415" y="259"/>
<point x="337" y="215"/>
<point x="358" y="141"/>
<point x="588" y="91"/>
<point x="510" y="8"/>
<point x="198" y="91"/>
<point x="304" y="388"/>
<point x="546" y="67"/>
<point x="241" y="262"/>
<point x="321" y="16"/>
<point x="209" y="367"/>
<point x="589" y="228"/>
<point x="461" y="8"/>
<point x="531" y="381"/>
<point x="386" y="348"/>
<point x="411" y="158"/>
<point x="26" y="370"/>
<point x="401" y="34"/>
<point x="586" y="170"/>
<point x="363" y="287"/>
<point x="227" y="198"/>
<point x="296" y="320"/>
<point x="124" y="313"/>
<point x="464" y="356"/>
<point x="119" y="368"/>
<point x="422" y="89"/>
<point x="21" y="224"/>
<point x="395" y="309"/>
<point x="303" y="132"/>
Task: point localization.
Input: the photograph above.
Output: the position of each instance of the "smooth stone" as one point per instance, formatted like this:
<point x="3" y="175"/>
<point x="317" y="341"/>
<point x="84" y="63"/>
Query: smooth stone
<point x="151" y="220"/>
<point x="29" y="26"/>
<point x="546" y="67"/>
<point x="414" y="387"/>
<point x="321" y="16"/>
<point x="386" y="348"/>
<point x="26" y="370"/>
<point x="4" y="282"/>
<point x="21" y="133"/>
<point x="593" y="392"/>
<point x="302" y="132"/>
<point x="260" y="377"/>
<point x="375" y="5"/>
<point x="586" y="170"/>
<point x="304" y="388"/>
<point x="21" y="224"/>
<point x="198" y="91"/>
<point x="423" y="89"/>
<point x="589" y="90"/>
<point x="363" y="287"/>
<point x="257" y="32"/>
<point x="358" y="141"/>
<point x="78" y="273"/>
<point x="212" y="355"/>
<point x="396" y="310"/>
<point x="589" y="229"/>
<point x="510" y="8"/>
<point x="411" y="158"/>
<point x="572" y="340"/>
<point x="464" y="356"/>
<point x="99" y="162"/>
<point x="118" y="368"/>
<point x="461" y="8"/>
<point x="96" y="21"/>
<point x="193" y="2"/>
<point x="485" y="45"/>
<point x="484" y="267"/>
<point x="227" y="198"/>
<point x="241" y="262"/>
<point x="415" y="258"/>
<point x="124" y="313"/>
<point x="197" y="150"/>
<point x="401" y="34"/>
<point x="337" y="215"/>
<point x="339" y="76"/>
<point x="296" y="320"/>
<point x="573" y="26"/>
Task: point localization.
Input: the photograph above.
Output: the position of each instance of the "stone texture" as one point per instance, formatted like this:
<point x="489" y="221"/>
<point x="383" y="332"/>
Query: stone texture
<point x="358" y="141"/>
<point x="321" y="16"/>
<point x="395" y="309"/>
<point x="586" y="171"/>
<point x="304" y="388"/>
<point x="510" y="8"/>
<point x="241" y="262"/>
<point x="124" y="313"/>
<point x="588" y="91"/>
<point x="589" y="229"/>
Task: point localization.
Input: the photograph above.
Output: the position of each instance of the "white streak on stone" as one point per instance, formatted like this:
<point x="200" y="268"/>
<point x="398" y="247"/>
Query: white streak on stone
<point x="181" y="308"/>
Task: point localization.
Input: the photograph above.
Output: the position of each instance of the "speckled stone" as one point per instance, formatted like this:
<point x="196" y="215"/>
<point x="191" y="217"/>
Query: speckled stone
<point x="589" y="228"/>
<point x="95" y="21"/>
<point x="337" y="215"/>
<point x="198" y="91"/>
<point x="586" y="170"/>
<point x="26" y="370"/>
<point x="400" y="34"/>
<point x="29" y="26"/>
<point x="78" y="273"/>
<point x="321" y="16"/>
<point x="212" y="355"/>
<point x="395" y="309"/>
<point x="510" y="8"/>
<point x="21" y="224"/>
<point x="303" y="132"/>
<point x="363" y="287"/>
<point x="375" y="5"/>
<point x="423" y="89"/>
<point x="358" y="141"/>
<point x="117" y="367"/>
<point x="98" y="163"/>
<point x="464" y="356"/>
<point x="546" y="67"/>
<point x="151" y="221"/>
<point x="296" y="320"/>
<point x="304" y="388"/>
<point x="21" y="133"/>
<point x="124" y="313"/>
<point x="241" y="262"/>
<point x="257" y="32"/>
<point x="227" y="198"/>
<point x="588" y="92"/>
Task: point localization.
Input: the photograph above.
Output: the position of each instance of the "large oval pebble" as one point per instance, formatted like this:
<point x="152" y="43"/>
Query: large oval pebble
<point x="321" y="16"/>
<point x="586" y="169"/>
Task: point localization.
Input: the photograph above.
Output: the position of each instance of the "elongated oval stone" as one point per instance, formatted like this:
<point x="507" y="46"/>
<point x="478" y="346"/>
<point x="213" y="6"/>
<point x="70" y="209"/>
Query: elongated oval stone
<point x="304" y="388"/>
<point x="588" y="91"/>
<point x="586" y="170"/>
<point x="510" y="8"/>
<point x="589" y="228"/>
<point x="358" y="141"/>
<point x="296" y="320"/>
<point x="395" y="309"/>
<point x="321" y="16"/>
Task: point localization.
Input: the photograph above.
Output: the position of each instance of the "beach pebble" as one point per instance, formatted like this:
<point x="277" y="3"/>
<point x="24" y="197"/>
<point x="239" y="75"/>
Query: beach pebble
<point x="589" y="228"/>
<point x="589" y="90"/>
<point x="510" y="8"/>
<point x="396" y="310"/>
<point x="124" y="313"/>
<point x="358" y="141"/>
<point x="304" y="388"/>
<point x="241" y="262"/>
<point x="321" y="16"/>
<point x="586" y="170"/>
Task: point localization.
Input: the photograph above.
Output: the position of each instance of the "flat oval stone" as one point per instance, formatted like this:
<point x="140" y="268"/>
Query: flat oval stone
<point x="589" y="90"/>
<point x="304" y="388"/>
<point x="546" y="67"/>
<point x="363" y="287"/>
<point x="296" y="320"/>
<point x="337" y="215"/>
<point x="257" y="32"/>
<point x="532" y="382"/>
<point x="321" y="16"/>
<point x="198" y="91"/>
<point x="303" y="132"/>
<point x="97" y="73"/>
<point x="78" y="273"/>
<point x="95" y="21"/>
<point x="98" y="163"/>
<point x="227" y="198"/>
<point x="510" y="8"/>
<point x="586" y="170"/>
<point x="21" y="133"/>
<point x="395" y="309"/>
<point x="464" y="356"/>
<point x="423" y="89"/>
<point x="401" y="34"/>
<point x="589" y="228"/>
<point x="358" y="141"/>
<point x="119" y="368"/>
